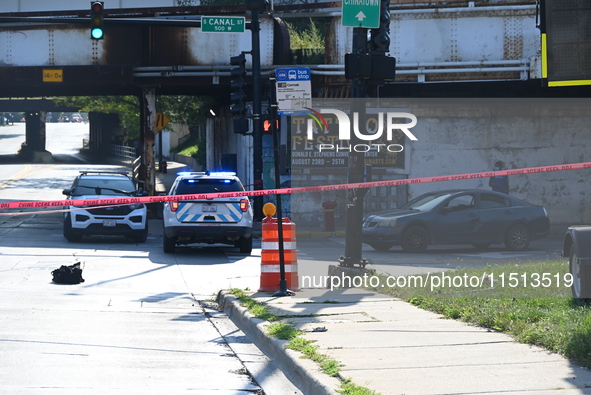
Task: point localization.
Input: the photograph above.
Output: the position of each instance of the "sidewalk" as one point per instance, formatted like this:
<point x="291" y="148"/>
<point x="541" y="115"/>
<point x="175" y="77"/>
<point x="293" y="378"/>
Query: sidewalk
<point x="392" y="347"/>
<point x="164" y="180"/>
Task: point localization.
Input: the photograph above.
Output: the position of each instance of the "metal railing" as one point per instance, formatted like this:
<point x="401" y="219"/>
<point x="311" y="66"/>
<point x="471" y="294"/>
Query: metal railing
<point x="123" y="153"/>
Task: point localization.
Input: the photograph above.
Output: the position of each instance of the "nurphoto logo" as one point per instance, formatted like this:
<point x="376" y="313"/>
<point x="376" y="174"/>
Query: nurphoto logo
<point x="386" y="122"/>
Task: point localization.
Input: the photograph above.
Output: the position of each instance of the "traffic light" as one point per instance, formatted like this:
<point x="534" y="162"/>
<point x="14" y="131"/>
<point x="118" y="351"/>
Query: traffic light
<point x="238" y="94"/>
<point x="97" y="21"/>
<point x="268" y="125"/>
<point x="380" y="37"/>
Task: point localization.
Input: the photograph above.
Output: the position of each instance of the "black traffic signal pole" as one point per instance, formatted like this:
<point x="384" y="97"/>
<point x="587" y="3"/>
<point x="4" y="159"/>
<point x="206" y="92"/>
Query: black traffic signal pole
<point x="353" y="237"/>
<point x="378" y="46"/>
<point x="257" y="123"/>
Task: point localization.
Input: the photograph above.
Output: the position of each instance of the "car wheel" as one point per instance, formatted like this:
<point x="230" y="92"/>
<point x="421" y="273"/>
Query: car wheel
<point x="481" y="246"/>
<point x="381" y="246"/>
<point x="415" y="239"/>
<point x="69" y="233"/>
<point x="518" y="238"/>
<point x="168" y="244"/>
<point x="581" y="288"/>
<point x="246" y="245"/>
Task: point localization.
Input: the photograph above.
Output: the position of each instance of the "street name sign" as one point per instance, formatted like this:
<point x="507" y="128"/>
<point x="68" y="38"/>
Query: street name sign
<point x="222" y="24"/>
<point x="361" y="13"/>
<point x="294" y="90"/>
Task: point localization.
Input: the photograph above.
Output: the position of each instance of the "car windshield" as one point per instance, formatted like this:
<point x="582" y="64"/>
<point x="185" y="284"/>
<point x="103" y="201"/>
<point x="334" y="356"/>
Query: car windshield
<point x="426" y="202"/>
<point x="192" y="186"/>
<point x="98" y="186"/>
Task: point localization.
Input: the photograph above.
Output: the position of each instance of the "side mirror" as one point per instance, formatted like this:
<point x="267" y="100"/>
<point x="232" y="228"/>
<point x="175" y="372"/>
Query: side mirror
<point x="67" y="192"/>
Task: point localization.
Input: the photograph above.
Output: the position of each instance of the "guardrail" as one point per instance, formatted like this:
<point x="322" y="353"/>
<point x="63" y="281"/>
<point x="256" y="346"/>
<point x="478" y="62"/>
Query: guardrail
<point x="123" y="153"/>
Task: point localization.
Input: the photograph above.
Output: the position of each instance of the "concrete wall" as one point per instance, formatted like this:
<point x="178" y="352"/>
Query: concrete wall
<point x="464" y="136"/>
<point x="458" y="136"/>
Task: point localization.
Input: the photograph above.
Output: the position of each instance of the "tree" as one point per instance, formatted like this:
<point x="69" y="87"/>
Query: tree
<point x="191" y="110"/>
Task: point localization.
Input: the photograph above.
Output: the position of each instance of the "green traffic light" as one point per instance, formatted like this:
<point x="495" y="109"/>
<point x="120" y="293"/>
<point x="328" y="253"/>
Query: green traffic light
<point x="97" y="33"/>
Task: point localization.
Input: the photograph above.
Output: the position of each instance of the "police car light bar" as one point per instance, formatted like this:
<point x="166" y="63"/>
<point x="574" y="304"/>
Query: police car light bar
<point x="222" y="173"/>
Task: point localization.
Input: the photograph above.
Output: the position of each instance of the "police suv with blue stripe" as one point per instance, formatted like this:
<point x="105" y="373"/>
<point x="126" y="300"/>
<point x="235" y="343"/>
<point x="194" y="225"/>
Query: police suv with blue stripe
<point x="226" y="220"/>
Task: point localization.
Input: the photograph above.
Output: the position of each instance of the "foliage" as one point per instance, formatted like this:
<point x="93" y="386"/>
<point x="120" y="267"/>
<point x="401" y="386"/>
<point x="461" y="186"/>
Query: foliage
<point x="127" y="107"/>
<point x="544" y="316"/>
<point x="308" y="37"/>
<point x="190" y="110"/>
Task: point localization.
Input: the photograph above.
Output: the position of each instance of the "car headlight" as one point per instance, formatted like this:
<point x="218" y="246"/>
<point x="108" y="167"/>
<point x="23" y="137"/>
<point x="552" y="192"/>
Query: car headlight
<point x="136" y="206"/>
<point x="388" y="223"/>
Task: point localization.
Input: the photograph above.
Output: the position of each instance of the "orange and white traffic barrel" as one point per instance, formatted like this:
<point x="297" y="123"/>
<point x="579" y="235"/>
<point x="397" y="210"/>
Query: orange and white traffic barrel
<point x="270" y="256"/>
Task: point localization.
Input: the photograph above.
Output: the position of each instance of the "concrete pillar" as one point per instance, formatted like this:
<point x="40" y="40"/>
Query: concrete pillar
<point x="148" y="117"/>
<point x="35" y="138"/>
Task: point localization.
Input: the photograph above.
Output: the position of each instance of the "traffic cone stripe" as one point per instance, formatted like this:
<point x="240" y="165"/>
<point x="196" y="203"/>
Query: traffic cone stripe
<point x="276" y="268"/>
<point x="274" y="245"/>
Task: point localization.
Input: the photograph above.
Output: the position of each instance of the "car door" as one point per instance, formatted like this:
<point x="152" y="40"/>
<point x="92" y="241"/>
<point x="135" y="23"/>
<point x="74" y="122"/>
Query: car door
<point x="457" y="219"/>
<point x="496" y="216"/>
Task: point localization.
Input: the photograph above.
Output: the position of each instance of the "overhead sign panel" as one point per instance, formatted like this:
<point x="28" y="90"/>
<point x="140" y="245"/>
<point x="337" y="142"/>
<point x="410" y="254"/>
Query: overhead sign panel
<point x="361" y="13"/>
<point x="222" y="24"/>
<point x="294" y="90"/>
<point x="566" y="42"/>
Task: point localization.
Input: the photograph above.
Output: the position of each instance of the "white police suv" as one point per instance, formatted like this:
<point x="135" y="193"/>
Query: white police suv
<point x="226" y="220"/>
<point x="129" y="220"/>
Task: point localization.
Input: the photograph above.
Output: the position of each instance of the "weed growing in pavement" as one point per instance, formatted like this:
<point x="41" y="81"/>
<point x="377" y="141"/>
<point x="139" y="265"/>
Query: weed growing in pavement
<point x="286" y="331"/>
<point x="283" y="331"/>
<point x="544" y="316"/>
<point x="259" y="310"/>
<point x="349" y="388"/>
<point x="310" y="351"/>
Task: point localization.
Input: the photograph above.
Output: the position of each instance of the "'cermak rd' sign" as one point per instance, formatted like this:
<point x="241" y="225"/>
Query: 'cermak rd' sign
<point x="222" y="24"/>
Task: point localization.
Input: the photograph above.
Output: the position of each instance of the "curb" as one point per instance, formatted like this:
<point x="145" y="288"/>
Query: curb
<point x="303" y="373"/>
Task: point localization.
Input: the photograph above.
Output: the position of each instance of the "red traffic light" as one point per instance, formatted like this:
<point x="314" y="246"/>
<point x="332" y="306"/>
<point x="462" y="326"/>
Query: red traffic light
<point x="267" y="125"/>
<point x="97" y="7"/>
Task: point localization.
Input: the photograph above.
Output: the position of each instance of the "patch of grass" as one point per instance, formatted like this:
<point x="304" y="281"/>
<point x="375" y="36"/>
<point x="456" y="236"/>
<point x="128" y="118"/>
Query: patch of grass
<point x="349" y="388"/>
<point x="259" y="310"/>
<point x="283" y="331"/>
<point x="310" y="351"/>
<point x="190" y="150"/>
<point x="529" y="301"/>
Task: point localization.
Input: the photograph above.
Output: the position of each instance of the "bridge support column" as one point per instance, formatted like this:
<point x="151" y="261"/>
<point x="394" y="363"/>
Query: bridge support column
<point x="35" y="137"/>
<point x="148" y="117"/>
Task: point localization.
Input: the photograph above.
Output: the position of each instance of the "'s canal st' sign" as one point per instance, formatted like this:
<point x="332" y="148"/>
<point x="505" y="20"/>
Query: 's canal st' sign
<point x="222" y="24"/>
